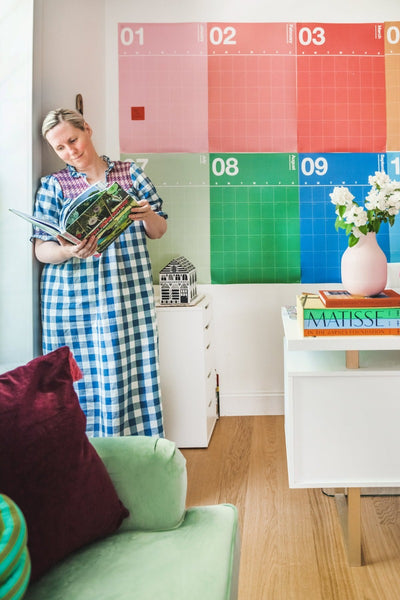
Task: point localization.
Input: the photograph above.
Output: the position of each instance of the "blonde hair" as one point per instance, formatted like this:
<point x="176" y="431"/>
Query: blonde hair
<point x="54" y="117"/>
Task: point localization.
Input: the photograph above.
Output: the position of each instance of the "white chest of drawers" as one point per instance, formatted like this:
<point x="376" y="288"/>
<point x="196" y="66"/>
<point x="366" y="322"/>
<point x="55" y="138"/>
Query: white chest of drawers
<point x="187" y="373"/>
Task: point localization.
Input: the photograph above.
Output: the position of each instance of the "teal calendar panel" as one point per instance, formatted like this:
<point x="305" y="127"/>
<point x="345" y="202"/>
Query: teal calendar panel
<point x="182" y="181"/>
<point x="393" y="170"/>
<point x="254" y="214"/>
<point x="321" y="245"/>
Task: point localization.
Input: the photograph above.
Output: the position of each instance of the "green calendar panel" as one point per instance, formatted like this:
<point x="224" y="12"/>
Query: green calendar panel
<point x="182" y="181"/>
<point x="254" y="218"/>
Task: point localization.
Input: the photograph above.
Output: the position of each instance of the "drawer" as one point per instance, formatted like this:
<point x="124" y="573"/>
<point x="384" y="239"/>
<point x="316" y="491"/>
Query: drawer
<point x="209" y="356"/>
<point x="207" y="312"/>
<point x="208" y="334"/>
<point x="211" y="384"/>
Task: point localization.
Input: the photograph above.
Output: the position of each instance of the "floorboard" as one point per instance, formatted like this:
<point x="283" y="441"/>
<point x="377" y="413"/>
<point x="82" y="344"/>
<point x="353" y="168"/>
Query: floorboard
<point x="292" y="544"/>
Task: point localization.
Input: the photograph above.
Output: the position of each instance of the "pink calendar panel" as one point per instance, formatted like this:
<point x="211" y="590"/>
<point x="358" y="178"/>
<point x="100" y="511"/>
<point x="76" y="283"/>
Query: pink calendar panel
<point x="163" y="87"/>
<point x="251" y="87"/>
<point x="341" y="100"/>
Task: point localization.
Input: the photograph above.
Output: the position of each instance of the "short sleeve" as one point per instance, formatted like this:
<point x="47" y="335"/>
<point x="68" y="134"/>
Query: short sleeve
<point x="146" y="190"/>
<point x="48" y="204"/>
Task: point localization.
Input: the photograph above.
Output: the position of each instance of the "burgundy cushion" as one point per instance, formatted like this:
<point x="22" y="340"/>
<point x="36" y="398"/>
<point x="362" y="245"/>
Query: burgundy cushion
<point x="47" y="464"/>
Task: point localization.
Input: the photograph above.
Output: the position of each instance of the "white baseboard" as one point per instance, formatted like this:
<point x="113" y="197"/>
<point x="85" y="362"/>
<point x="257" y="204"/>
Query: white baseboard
<point x="234" y="405"/>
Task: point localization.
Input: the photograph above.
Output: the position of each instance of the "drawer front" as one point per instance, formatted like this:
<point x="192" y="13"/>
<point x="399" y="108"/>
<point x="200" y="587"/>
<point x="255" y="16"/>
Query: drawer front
<point x="207" y="312"/>
<point x="208" y="334"/>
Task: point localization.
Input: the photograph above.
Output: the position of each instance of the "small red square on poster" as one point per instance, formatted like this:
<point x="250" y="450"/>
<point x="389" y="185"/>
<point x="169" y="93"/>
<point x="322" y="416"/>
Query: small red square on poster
<point x="137" y="113"/>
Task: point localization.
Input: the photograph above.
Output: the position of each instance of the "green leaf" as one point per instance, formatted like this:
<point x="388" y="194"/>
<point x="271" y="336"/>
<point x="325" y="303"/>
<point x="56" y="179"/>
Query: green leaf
<point x="340" y="224"/>
<point x="363" y="229"/>
<point x="353" y="240"/>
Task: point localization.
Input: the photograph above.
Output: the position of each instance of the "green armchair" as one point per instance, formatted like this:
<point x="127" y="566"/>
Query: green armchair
<point x="162" y="551"/>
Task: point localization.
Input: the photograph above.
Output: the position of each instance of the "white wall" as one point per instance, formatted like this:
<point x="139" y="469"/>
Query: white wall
<point x="76" y="52"/>
<point x="72" y="61"/>
<point x="16" y="313"/>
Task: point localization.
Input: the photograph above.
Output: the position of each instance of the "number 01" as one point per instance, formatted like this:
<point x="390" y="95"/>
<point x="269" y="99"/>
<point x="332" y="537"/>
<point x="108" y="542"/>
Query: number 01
<point x="128" y="37"/>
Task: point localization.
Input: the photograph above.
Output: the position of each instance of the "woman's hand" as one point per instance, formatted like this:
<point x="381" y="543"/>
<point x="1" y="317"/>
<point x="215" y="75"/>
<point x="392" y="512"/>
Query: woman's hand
<point x="58" y="252"/>
<point x="83" y="250"/>
<point x="154" y="225"/>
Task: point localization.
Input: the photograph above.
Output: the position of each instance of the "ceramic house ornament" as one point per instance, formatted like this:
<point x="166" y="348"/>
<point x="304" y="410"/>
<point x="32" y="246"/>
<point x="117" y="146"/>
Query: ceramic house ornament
<point x="178" y="282"/>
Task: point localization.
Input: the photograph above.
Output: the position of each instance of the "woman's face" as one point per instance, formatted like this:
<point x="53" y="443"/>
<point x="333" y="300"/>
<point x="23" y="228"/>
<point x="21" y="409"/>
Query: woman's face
<point x="74" y="146"/>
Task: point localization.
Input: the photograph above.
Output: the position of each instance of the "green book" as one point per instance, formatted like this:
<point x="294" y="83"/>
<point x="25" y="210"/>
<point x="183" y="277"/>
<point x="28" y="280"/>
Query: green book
<point x="313" y="315"/>
<point x="99" y="211"/>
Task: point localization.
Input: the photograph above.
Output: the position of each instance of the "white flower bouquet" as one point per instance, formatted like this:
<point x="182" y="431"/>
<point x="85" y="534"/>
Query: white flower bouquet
<point x="382" y="204"/>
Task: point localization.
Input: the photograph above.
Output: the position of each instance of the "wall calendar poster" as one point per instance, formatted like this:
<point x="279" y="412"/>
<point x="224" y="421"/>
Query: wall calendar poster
<point x="246" y="128"/>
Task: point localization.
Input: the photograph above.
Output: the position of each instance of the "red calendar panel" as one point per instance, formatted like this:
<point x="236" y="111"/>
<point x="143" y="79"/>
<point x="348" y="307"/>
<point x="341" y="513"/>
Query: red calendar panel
<point x="341" y="99"/>
<point x="392" y="68"/>
<point x="163" y="87"/>
<point x="251" y="87"/>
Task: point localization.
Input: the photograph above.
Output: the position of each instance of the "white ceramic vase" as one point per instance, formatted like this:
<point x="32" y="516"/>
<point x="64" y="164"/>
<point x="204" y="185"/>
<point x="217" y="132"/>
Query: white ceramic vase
<point x="364" y="267"/>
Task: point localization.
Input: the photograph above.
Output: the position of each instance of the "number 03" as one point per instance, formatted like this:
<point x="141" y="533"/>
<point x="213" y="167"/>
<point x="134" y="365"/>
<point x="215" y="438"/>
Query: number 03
<point x="315" y="36"/>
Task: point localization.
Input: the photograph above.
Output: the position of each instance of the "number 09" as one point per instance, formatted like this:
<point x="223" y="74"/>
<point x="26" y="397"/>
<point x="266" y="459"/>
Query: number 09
<point x="319" y="166"/>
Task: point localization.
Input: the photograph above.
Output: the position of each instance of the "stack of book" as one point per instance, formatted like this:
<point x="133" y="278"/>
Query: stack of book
<point x="336" y="312"/>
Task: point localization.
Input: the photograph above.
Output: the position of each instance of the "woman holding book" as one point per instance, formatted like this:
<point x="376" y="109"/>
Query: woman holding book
<point x="101" y="306"/>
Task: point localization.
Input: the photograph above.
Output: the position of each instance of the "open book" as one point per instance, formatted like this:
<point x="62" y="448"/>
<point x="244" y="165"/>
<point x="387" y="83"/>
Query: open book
<point x="100" y="211"/>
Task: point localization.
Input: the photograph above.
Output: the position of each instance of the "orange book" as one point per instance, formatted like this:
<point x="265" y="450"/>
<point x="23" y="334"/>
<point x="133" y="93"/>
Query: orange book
<point x="342" y="299"/>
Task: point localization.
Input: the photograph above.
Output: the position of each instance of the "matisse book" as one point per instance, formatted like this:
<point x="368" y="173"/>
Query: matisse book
<point x="99" y="211"/>
<point x="315" y="319"/>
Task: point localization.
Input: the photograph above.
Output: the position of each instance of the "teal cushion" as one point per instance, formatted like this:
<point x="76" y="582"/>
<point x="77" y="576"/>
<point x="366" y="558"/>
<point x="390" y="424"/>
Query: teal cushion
<point x="197" y="561"/>
<point x="15" y="565"/>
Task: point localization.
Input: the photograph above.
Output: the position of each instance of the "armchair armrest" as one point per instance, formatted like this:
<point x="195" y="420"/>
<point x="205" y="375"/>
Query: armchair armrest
<point x="149" y="475"/>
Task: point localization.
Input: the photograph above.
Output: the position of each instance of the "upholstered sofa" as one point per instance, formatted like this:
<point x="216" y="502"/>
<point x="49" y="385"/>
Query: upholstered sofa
<point x="161" y="551"/>
<point x="106" y="518"/>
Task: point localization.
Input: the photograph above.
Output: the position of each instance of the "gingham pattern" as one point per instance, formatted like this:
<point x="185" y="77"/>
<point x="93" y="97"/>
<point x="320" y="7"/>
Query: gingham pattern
<point x="103" y="309"/>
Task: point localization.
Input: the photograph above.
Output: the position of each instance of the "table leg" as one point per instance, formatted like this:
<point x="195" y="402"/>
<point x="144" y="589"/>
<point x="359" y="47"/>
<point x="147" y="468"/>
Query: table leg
<point x="352" y="359"/>
<point x="349" y="510"/>
<point x="354" y="526"/>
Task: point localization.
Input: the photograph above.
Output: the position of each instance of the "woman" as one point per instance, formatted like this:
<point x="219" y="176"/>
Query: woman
<point x="101" y="306"/>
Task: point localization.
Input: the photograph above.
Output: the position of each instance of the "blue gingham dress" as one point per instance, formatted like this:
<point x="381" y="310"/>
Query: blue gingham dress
<point x="103" y="309"/>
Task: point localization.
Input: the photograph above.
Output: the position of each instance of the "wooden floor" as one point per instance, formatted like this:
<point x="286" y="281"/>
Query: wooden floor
<point x="292" y="544"/>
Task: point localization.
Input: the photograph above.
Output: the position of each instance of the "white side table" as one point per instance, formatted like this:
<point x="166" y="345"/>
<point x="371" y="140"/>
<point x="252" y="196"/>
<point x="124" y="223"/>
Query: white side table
<point x="342" y="416"/>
